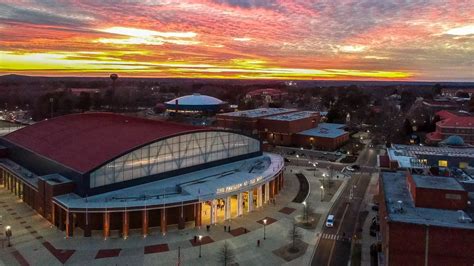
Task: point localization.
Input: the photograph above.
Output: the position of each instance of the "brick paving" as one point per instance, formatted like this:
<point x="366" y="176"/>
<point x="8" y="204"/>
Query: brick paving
<point x="287" y="210"/>
<point x="107" y="253"/>
<point x="156" y="248"/>
<point x="239" y="231"/>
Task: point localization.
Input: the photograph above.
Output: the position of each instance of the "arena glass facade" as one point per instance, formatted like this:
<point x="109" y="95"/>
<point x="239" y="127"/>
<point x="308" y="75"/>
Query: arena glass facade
<point x="174" y="153"/>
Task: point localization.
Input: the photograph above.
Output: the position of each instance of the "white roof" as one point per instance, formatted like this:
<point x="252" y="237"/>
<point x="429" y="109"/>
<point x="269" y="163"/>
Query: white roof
<point x="196" y="99"/>
<point x="206" y="184"/>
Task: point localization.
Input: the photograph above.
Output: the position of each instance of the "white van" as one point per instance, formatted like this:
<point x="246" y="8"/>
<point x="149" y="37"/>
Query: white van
<point x="330" y="221"/>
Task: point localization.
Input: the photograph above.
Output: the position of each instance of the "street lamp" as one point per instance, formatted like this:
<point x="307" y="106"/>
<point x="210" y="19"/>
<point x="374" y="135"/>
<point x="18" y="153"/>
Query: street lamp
<point x="264" y="224"/>
<point x="305" y="214"/>
<point x="200" y="244"/>
<point x="297" y="158"/>
<point x="314" y="165"/>
<point x="322" y="192"/>
<point x="8" y="233"/>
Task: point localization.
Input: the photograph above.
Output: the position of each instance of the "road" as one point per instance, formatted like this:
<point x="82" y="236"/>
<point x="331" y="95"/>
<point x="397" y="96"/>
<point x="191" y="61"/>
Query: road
<point x="334" y="247"/>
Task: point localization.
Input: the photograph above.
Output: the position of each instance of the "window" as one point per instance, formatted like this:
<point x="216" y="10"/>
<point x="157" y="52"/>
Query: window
<point x="452" y="196"/>
<point x="443" y="163"/>
<point x="463" y="165"/>
<point x="174" y="153"/>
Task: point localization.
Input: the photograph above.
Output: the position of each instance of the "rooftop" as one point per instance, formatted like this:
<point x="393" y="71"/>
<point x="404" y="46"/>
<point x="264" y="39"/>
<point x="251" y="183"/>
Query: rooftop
<point x="395" y="191"/>
<point x="292" y="116"/>
<point x="96" y="137"/>
<point x="196" y="99"/>
<point x="269" y="91"/>
<point x="407" y="155"/>
<point x="325" y="130"/>
<point x="457" y="121"/>
<point x="437" y="182"/>
<point x="260" y="112"/>
<point x="199" y="185"/>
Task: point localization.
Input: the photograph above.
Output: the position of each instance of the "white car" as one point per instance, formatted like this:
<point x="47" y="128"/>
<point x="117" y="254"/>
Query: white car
<point x="330" y="221"/>
<point x="350" y="168"/>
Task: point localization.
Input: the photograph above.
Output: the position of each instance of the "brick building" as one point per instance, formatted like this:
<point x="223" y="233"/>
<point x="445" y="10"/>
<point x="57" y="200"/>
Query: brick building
<point x="424" y="220"/>
<point x="452" y="124"/>
<point x="287" y="127"/>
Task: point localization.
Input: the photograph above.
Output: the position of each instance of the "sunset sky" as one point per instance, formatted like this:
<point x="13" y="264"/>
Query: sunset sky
<point x="246" y="39"/>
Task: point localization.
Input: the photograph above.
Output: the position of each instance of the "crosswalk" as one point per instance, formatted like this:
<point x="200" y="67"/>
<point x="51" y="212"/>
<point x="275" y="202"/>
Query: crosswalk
<point x="335" y="237"/>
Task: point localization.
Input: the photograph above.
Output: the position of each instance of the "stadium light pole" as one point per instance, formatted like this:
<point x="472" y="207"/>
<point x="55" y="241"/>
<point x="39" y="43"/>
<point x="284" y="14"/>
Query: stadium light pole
<point x="200" y="244"/>
<point x="264" y="224"/>
<point x="322" y="192"/>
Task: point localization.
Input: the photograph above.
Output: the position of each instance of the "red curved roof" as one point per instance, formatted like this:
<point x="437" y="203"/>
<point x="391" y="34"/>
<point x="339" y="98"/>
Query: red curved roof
<point x="85" y="141"/>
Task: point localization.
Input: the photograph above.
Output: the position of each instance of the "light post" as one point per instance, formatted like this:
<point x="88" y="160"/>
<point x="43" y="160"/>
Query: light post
<point x="322" y="192"/>
<point x="8" y="234"/>
<point x="305" y="212"/>
<point x="297" y="159"/>
<point x="200" y="244"/>
<point x="315" y="164"/>
<point x="264" y="224"/>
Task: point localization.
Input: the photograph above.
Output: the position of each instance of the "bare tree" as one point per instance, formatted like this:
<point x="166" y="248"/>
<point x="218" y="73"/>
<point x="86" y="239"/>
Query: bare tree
<point x="226" y="255"/>
<point x="307" y="211"/>
<point x="294" y="234"/>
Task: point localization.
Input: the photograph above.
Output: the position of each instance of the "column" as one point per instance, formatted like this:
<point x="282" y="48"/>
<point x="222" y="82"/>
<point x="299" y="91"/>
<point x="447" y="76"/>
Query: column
<point x="53" y="213"/>
<point x="60" y="216"/>
<point x="272" y="189"/>
<point x="125" y="224"/>
<point x="240" y="206"/>
<point x="282" y="180"/>
<point x="213" y="212"/>
<point x="250" y="200"/>
<point x="163" y="221"/>
<point x="228" y="208"/>
<point x="69" y="224"/>
<point x="267" y="192"/>
<point x="106" y="225"/>
<point x="197" y="214"/>
<point x="276" y="185"/>
<point x="259" y="197"/>
<point x="181" y="221"/>
<point x="87" y="227"/>
<point x="144" y="223"/>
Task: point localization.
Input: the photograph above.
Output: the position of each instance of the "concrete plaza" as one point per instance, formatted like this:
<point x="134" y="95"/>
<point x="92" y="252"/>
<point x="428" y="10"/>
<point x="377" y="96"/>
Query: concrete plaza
<point x="36" y="242"/>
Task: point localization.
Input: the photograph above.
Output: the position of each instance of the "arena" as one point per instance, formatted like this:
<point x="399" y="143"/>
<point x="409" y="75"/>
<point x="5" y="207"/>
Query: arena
<point x="101" y="171"/>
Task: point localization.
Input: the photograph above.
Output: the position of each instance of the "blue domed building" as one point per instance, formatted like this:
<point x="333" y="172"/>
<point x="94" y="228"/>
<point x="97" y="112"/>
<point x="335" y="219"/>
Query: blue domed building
<point x="195" y="103"/>
<point x="453" y="140"/>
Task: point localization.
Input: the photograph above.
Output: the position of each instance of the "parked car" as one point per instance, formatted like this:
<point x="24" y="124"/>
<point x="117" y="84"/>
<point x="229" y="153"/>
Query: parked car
<point x="330" y="221"/>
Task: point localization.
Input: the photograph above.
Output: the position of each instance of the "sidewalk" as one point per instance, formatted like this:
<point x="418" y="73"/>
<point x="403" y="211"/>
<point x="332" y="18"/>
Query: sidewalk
<point x="37" y="243"/>
<point x="367" y="239"/>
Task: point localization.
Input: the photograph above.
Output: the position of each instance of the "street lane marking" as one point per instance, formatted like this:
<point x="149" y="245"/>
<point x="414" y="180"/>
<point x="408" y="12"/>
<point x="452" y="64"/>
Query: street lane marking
<point x="338" y="229"/>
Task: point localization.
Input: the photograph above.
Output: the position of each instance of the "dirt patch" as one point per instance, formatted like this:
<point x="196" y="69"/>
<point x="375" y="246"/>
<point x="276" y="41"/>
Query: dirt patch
<point x="287" y="254"/>
<point x="309" y="223"/>
<point x="330" y="188"/>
